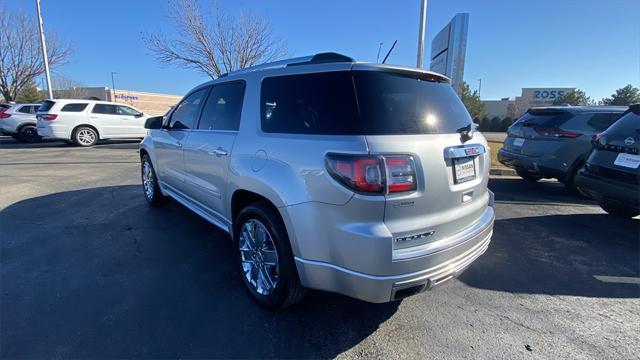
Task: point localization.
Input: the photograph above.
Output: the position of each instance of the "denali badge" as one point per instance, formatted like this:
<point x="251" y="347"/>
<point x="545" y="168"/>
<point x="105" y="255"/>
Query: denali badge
<point x="415" y="237"/>
<point x="629" y="141"/>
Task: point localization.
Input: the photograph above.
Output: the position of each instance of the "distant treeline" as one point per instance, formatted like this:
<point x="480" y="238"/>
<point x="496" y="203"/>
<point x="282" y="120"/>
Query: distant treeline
<point x="494" y="124"/>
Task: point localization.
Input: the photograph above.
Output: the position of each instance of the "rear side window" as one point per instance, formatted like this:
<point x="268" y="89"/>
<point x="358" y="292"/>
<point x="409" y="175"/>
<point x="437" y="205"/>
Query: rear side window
<point x="601" y="121"/>
<point x="396" y="104"/>
<point x="46" y="105"/>
<point x="127" y="111"/>
<point x="29" y="109"/>
<point x="106" y="109"/>
<point x="544" y="118"/>
<point x="186" y="113"/>
<point x="319" y="104"/>
<point x="223" y="107"/>
<point x="74" y="107"/>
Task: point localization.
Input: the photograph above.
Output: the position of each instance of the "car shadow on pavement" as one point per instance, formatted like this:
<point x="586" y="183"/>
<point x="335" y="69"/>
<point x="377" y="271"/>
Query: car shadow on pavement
<point x="516" y="190"/>
<point x="98" y="273"/>
<point x="560" y="255"/>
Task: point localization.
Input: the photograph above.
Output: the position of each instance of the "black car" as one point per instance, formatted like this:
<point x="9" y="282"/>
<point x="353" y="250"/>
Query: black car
<point x="611" y="174"/>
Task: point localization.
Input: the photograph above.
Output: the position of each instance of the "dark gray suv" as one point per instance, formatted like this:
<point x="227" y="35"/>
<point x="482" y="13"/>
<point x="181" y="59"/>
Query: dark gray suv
<point x="553" y="142"/>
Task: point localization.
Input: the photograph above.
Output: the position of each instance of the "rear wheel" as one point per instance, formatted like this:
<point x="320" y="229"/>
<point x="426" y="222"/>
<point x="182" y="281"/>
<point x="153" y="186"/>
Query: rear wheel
<point x="529" y="177"/>
<point x="85" y="136"/>
<point x="570" y="183"/>
<point x="619" y="211"/>
<point x="264" y="257"/>
<point x="28" y="133"/>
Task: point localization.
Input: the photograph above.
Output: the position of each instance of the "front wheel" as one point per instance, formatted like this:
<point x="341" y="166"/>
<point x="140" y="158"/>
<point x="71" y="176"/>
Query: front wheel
<point x="85" y="136"/>
<point x="619" y="211"/>
<point x="150" y="186"/>
<point x="264" y="257"/>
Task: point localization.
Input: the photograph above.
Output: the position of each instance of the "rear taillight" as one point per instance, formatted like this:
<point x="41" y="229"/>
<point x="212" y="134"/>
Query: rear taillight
<point x="4" y="115"/>
<point x="366" y="173"/>
<point x="401" y="173"/>
<point x="555" y="132"/>
<point x="48" y="117"/>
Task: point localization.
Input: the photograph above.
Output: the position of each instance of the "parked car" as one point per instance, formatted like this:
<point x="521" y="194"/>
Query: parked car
<point x="360" y="179"/>
<point x="19" y="122"/>
<point x="84" y="122"/>
<point x="611" y="174"/>
<point x="553" y="142"/>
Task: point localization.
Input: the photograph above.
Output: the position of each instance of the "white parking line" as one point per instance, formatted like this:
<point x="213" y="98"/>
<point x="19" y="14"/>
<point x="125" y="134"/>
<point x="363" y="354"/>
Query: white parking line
<point x="618" y="279"/>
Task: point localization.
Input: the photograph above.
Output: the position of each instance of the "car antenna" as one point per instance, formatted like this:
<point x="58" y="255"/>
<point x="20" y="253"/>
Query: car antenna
<point x="390" y="50"/>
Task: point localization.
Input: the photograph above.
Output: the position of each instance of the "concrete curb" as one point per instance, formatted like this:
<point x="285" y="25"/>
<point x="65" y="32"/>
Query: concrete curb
<point x="502" y="172"/>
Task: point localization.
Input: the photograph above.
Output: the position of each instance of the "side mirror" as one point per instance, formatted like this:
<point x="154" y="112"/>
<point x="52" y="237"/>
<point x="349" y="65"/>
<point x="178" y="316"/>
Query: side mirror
<point x="153" y="123"/>
<point x="138" y="115"/>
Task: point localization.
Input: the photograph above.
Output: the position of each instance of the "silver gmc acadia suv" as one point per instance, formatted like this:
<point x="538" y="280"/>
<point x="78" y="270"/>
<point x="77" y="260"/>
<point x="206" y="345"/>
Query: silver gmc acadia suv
<point x="361" y="179"/>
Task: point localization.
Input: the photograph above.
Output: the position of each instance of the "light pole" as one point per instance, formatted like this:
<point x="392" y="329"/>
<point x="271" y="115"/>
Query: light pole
<point x="479" y="87"/>
<point x="43" y="46"/>
<point x="113" y="86"/>
<point x="423" y="23"/>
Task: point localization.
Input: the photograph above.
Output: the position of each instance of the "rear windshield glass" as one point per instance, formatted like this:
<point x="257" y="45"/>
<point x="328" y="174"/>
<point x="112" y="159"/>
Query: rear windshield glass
<point x="392" y="103"/>
<point x="544" y="118"/>
<point x="359" y="103"/>
<point x="627" y="125"/>
<point x="46" y="106"/>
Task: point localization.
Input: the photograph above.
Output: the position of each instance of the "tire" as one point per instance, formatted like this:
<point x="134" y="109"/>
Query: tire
<point x="85" y="136"/>
<point x="266" y="266"/>
<point x="525" y="175"/>
<point x="150" y="186"/>
<point x="570" y="184"/>
<point x="29" y="134"/>
<point x="619" y="211"/>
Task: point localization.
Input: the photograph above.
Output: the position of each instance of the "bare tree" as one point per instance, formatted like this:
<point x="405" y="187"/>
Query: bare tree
<point x="20" y="55"/>
<point x="68" y="88"/>
<point x="216" y="46"/>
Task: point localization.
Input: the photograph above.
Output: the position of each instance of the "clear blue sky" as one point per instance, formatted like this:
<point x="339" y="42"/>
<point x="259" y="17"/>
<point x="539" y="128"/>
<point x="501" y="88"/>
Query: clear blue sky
<point x="590" y="44"/>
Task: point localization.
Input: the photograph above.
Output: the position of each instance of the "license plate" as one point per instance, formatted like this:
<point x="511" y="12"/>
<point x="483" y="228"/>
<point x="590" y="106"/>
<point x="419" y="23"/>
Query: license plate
<point x="464" y="169"/>
<point x="518" y="142"/>
<point x="627" y="160"/>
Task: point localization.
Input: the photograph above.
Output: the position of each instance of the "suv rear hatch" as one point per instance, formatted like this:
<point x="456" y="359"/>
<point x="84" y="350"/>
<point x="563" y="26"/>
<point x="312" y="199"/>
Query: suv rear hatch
<point x="538" y="131"/>
<point x="419" y="114"/>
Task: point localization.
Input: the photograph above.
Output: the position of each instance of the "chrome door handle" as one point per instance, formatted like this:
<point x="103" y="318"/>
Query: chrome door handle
<point x="220" y="152"/>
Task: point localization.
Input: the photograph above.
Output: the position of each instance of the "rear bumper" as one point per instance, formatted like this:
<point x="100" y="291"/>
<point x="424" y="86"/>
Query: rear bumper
<point x="608" y="190"/>
<point x="53" y="131"/>
<point x="534" y="166"/>
<point x="430" y="270"/>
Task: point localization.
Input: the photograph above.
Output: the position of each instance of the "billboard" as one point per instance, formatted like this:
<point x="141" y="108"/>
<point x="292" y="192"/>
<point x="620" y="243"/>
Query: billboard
<point x="448" y="50"/>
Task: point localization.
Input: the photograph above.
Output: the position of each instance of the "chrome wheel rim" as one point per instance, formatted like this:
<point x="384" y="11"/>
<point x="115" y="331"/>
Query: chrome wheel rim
<point x="258" y="257"/>
<point x="86" y="137"/>
<point x="147" y="180"/>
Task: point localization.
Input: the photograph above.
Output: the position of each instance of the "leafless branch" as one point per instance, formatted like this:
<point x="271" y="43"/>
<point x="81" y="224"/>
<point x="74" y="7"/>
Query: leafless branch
<point x="214" y="47"/>
<point x="21" y="58"/>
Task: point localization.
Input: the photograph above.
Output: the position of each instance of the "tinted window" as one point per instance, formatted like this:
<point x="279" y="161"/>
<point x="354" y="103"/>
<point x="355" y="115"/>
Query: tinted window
<point x="28" y="109"/>
<point x="223" y="107"/>
<point x="107" y="109"/>
<point x="545" y="118"/>
<point x="392" y="103"/>
<point x="125" y="110"/>
<point x="601" y="121"/>
<point x="75" y="107"/>
<point x="186" y="113"/>
<point x="627" y="125"/>
<point x="309" y="104"/>
<point x="46" y="105"/>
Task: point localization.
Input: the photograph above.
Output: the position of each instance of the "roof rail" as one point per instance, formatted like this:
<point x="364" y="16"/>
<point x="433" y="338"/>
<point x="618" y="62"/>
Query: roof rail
<point x="320" y="58"/>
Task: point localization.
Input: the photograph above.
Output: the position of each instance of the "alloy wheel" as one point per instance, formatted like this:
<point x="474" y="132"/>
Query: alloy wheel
<point x="147" y="180"/>
<point x="86" y="137"/>
<point x="258" y="257"/>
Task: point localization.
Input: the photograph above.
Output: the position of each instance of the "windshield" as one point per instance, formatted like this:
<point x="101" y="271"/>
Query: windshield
<point x="626" y="125"/>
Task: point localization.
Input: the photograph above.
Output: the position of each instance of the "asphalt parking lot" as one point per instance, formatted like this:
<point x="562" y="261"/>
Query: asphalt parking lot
<point x="88" y="270"/>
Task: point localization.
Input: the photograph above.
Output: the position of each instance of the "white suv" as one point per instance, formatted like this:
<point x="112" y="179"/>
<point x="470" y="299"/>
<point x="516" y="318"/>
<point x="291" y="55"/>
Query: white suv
<point x="86" y="121"/>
